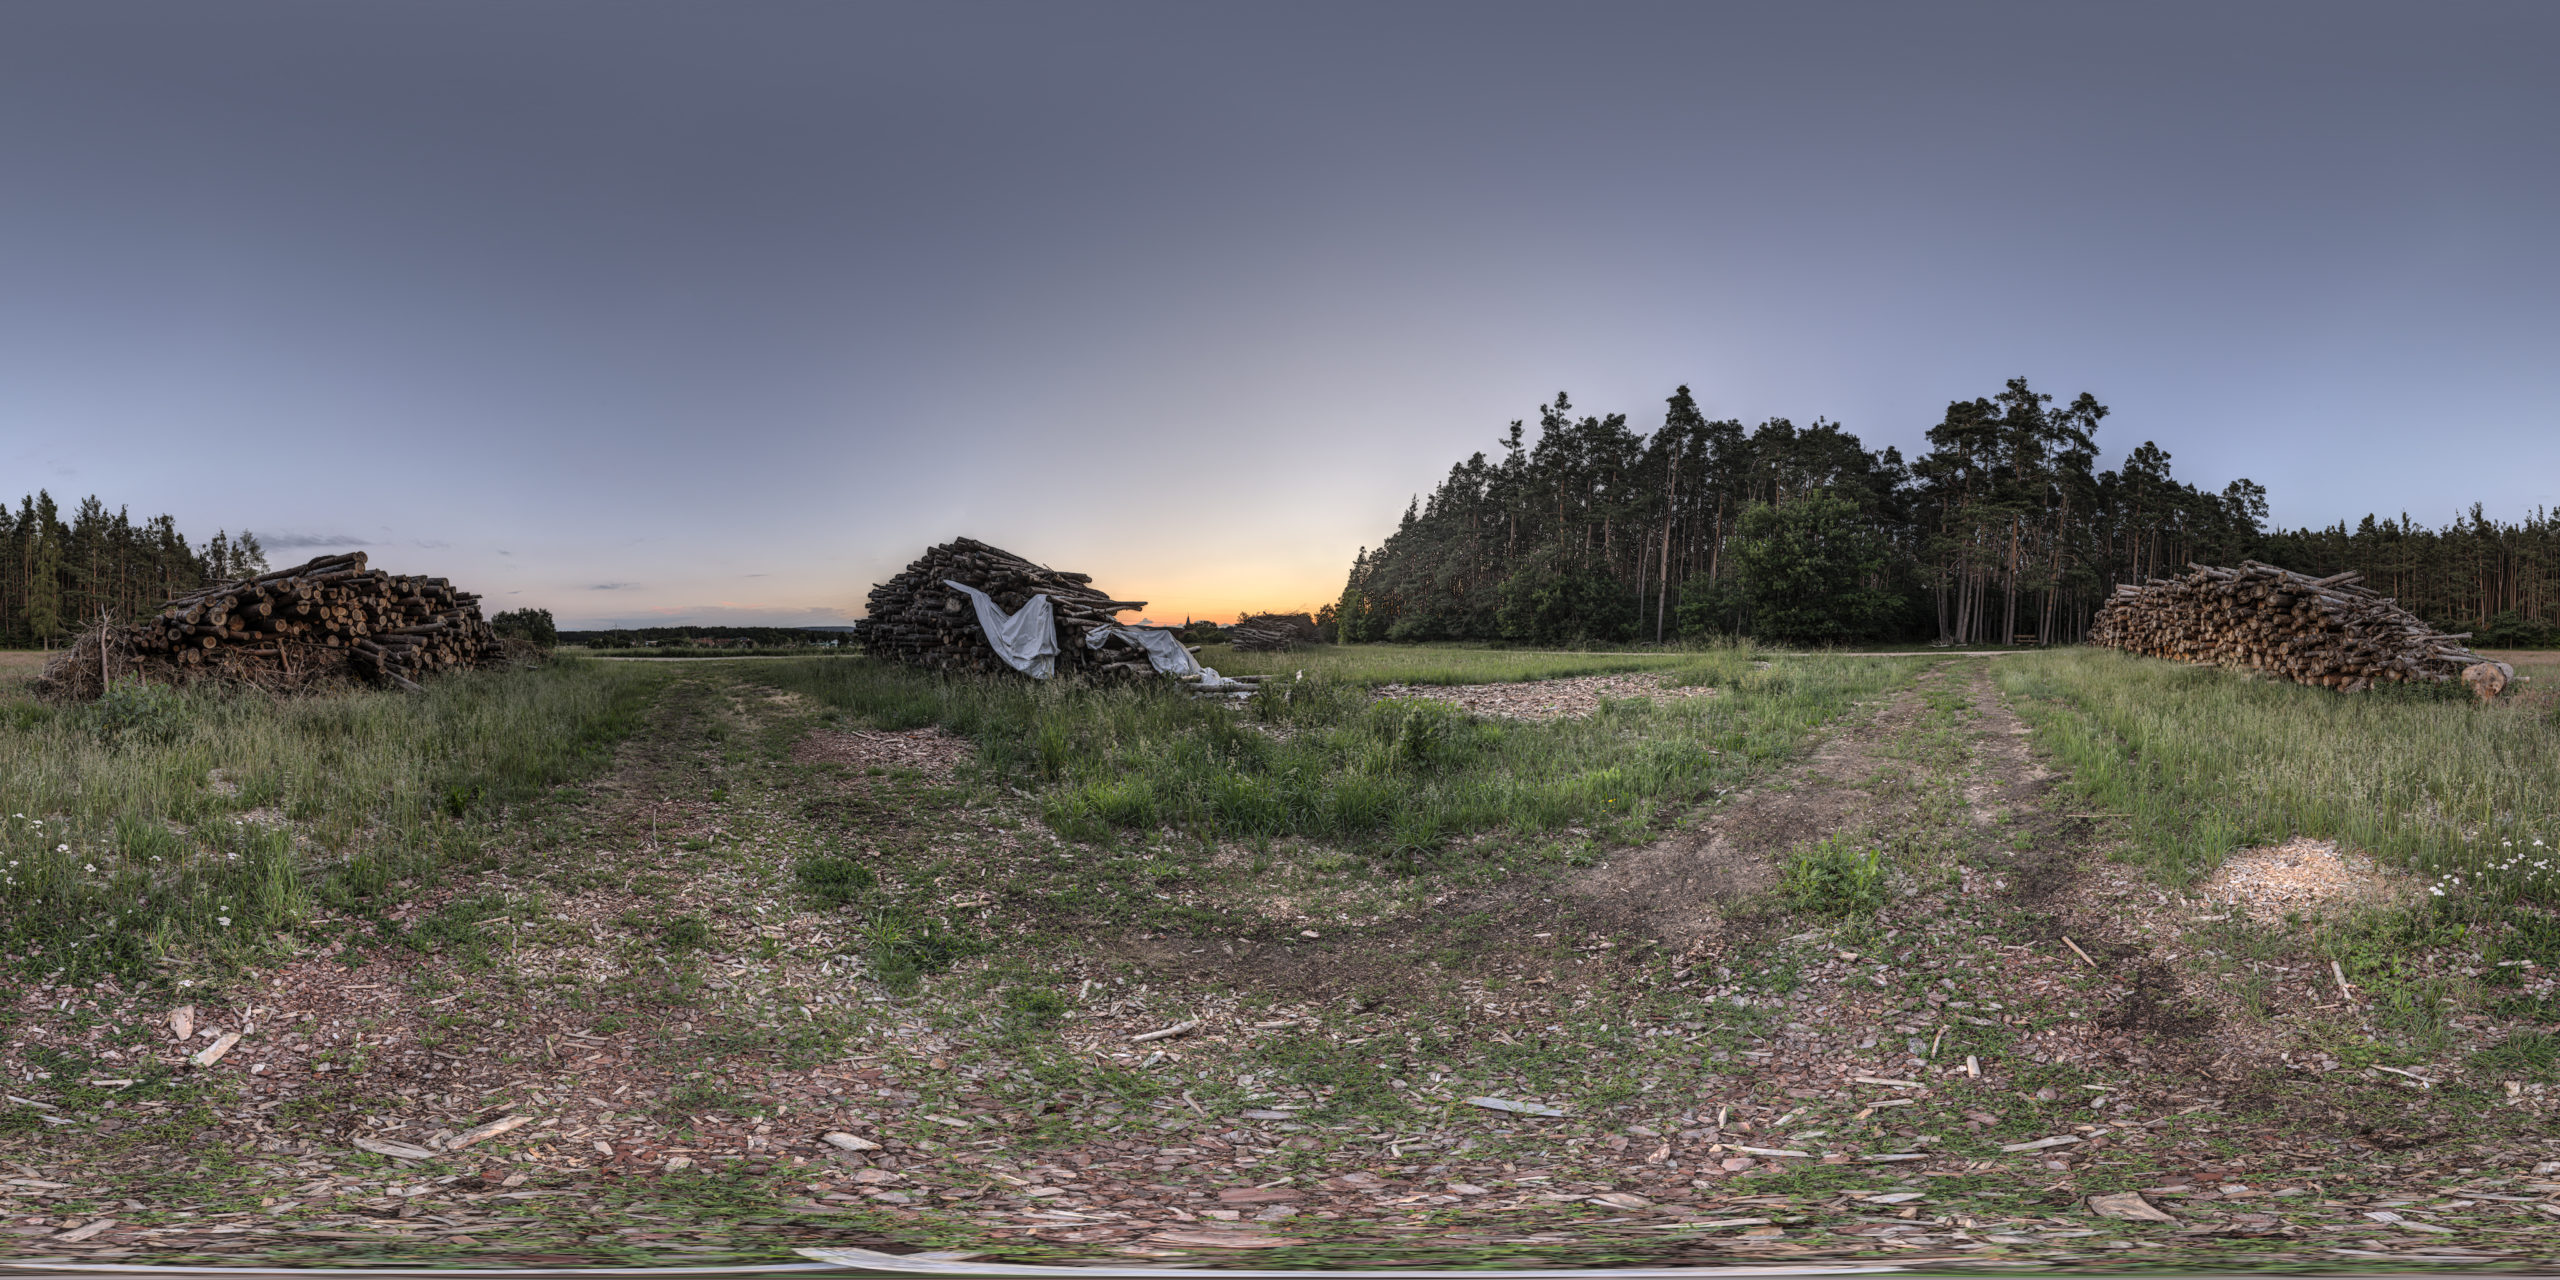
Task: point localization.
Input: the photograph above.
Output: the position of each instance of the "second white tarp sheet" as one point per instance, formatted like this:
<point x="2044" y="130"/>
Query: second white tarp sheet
<point x="1167" y="654"/>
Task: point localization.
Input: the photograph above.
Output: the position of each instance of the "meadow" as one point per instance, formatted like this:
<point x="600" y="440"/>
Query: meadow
<point x="1170" y="955"/>
<point x="155" y="821"/>
<point x="2200" y="761"/>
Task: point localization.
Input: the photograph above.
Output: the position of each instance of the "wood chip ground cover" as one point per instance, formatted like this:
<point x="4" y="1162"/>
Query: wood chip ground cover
<point x="1121" y="1052"/>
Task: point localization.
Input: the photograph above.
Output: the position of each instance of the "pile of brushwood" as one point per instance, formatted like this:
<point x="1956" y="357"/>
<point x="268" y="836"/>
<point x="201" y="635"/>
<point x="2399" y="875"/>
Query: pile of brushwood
<point x="1268" y="631"/>
<point x="915" y="619"/>
<point x="326" y="622"/>
<point x="2324" y="631"/>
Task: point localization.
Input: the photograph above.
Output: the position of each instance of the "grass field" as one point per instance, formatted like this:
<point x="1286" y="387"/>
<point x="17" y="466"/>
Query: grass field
<point x="1320" y="759"/>
<point x="1108" y="973"/>
<point x="154" y="819"/>
<point x="2201" y="761"/>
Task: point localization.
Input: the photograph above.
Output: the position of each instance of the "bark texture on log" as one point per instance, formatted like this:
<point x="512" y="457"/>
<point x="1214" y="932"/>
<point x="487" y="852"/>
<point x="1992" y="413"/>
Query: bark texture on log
<point x="2324" y="631"/>
<point x="296" y="628"/>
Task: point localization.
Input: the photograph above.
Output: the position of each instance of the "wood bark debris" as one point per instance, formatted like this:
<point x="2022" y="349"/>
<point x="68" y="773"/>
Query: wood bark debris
<point x="212" y="1053"/>
<point x="395" y="1150"/>
<point x="484" y="1132"/>
<point x="2128" y="1205"/>
<point x="291" y="629"/>
<point x="2320" y="631"/>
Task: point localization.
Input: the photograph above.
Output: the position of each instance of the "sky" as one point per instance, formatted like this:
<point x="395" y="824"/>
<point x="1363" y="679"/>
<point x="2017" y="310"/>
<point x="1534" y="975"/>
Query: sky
<point x="652" y="313"/>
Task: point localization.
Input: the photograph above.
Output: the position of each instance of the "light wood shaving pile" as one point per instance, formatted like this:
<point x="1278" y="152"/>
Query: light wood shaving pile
<point x="2299" y="877"/>
<point x="1546" y="699"/>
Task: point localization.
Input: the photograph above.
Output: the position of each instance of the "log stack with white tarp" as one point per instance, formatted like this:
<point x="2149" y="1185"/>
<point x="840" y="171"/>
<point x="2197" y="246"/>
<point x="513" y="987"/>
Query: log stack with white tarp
<point x="2327" y="631"/>
<point x="969" y="608"/>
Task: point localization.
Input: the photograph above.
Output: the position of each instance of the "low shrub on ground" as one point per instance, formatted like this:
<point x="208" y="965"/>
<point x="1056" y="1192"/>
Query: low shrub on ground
<point x="1835" y="878"/>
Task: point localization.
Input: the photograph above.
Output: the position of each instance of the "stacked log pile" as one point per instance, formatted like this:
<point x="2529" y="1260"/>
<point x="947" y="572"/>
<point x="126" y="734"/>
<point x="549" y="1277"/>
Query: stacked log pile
<point x="914" y="619"/>
<point x="2324" y="631"/>
<point x="1270" y="631"/>
<point x="295" y="628"/>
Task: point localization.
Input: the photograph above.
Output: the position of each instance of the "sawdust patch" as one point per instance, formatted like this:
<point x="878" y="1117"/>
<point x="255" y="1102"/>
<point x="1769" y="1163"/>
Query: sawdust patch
<point x="931" y="752"/>
<point x="1546" y="699"/>
<point x="2300" y="877"/>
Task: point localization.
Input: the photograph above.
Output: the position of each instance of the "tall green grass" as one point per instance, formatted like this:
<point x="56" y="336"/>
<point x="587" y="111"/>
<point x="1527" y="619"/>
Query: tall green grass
<point x="154" y="820"/>
<point x="1321" y="759"/>
<point x="2202" y="761"/>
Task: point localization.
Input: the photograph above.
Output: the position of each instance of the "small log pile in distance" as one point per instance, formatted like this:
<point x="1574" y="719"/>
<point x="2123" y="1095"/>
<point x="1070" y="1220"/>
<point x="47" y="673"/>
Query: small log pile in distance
<point x="296" y="627"/>
<point x="1272" y="631"/>
<point x="913" y="618"/>
<point x="2324" y="631"/>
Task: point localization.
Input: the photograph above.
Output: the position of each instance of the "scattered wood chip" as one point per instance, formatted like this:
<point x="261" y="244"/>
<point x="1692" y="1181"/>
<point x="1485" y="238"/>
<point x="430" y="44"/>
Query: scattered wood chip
<point x="2075" y="950"/>
<point x="1898" y="1084"/>
<point x="212" y="1053"/>
<point x="395" y="1150"/>
<point x="182" y="1022"/>
<point x="1261" y="1113"/>
<point x="2059" y="1140"/>
<point x="484" y="1132"/>
<point x="1713" y="1224"/>
<point x="1259" y="1195"/>
<point x="1515" y="1108"/>
<point x="84" y="1232"/>
<point x="2386" y="1216"/>
<point x="1223" y="1239"/>
<point x="1767" y="1151"/>
<point x="1167" y="1033"/>
<point x="1622" y="1200"/>
<point x="2129" y="1205"/>
<point x="1898" y="1197"/>
<point x="1892" y="1157"/>
<point x="850" y="1141"/>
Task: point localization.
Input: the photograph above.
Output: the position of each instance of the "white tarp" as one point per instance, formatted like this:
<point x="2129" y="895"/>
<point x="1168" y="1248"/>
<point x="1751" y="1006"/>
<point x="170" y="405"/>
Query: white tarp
<point x="1166" y="653"/>
<point x="1027" y="641"/>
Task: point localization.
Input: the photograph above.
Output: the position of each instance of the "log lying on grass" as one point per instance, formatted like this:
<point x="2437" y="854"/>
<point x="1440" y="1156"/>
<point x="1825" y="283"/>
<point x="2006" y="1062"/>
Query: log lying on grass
<point x="2324" y="631"/>
<point x="293" y="628"/>
<point x="914" y="618"/>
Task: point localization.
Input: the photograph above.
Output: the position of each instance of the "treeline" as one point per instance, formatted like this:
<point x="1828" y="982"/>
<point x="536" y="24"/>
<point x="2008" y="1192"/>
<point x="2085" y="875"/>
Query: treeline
<point x="2498" y="581"/>
<point x="2006" y="529"/>
<point x="639" y="637"/>
<point x="57" y="575"/>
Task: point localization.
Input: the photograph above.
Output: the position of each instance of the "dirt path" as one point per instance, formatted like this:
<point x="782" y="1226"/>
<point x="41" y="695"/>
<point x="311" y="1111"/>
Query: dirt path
<point x="1687" y="887"/>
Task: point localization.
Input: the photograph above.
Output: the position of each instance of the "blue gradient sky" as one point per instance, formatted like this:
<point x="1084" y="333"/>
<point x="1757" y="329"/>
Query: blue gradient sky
<point x="719" y="312"/>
